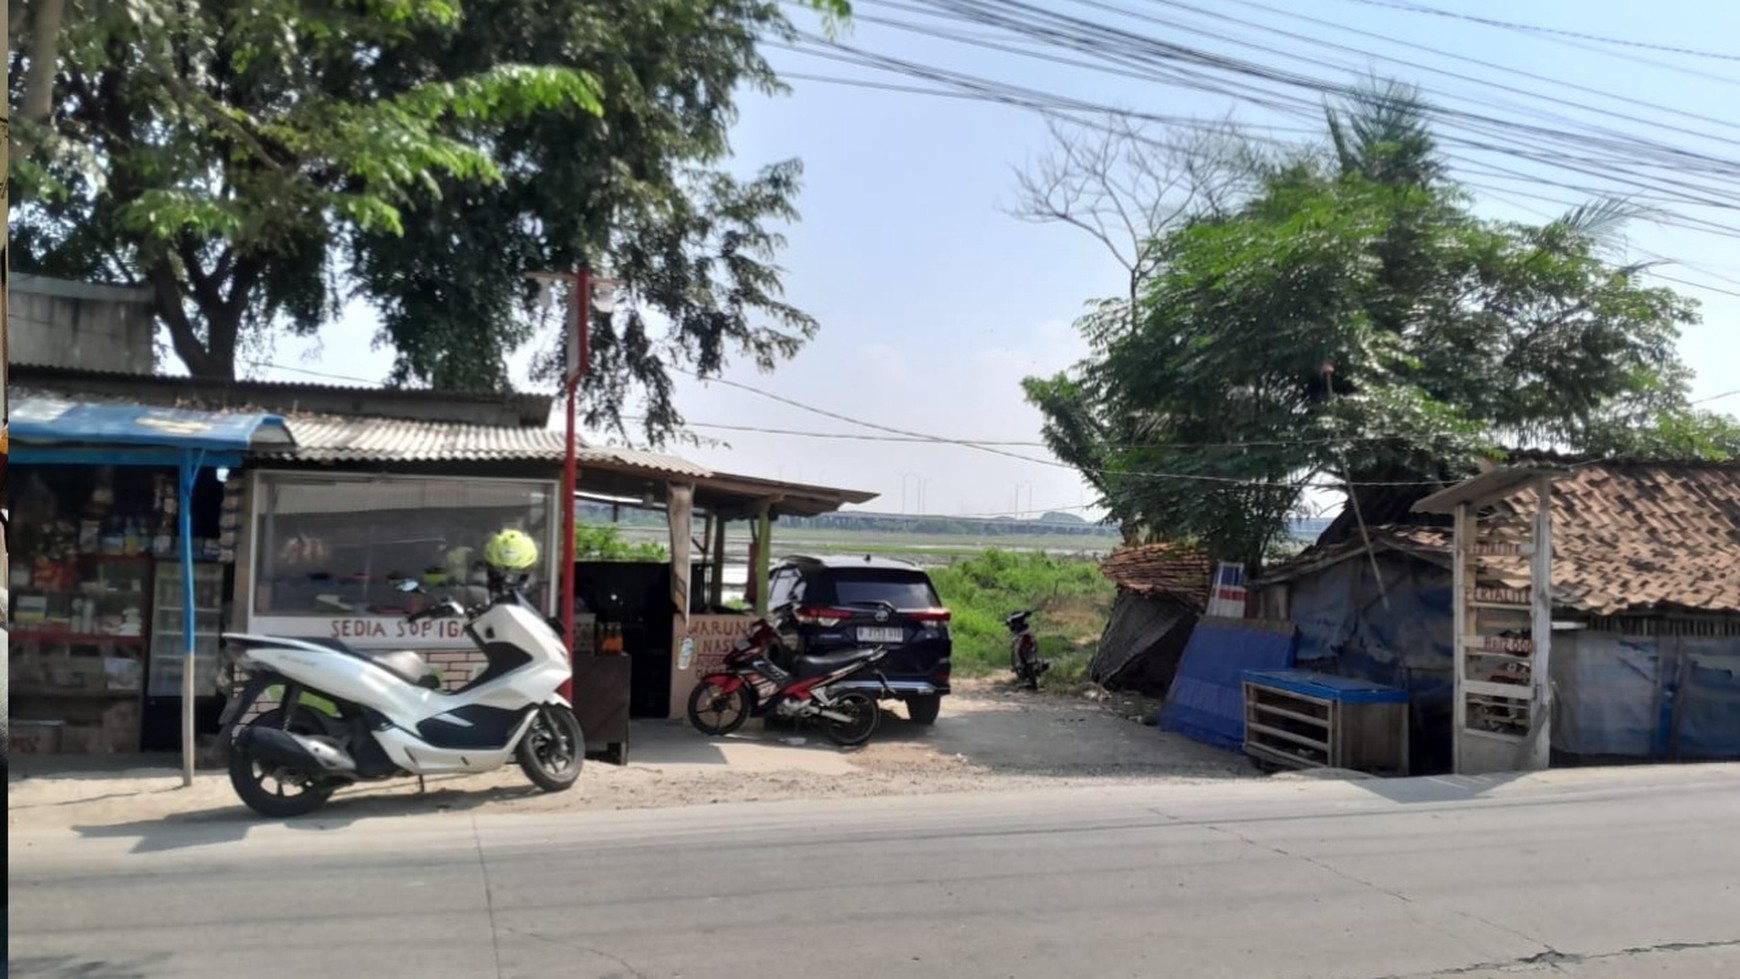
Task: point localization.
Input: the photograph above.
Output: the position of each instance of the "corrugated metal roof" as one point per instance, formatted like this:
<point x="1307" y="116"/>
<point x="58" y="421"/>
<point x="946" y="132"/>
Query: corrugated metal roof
<point x="331" y="439"/>
<point x="324" y="438"/>
<point x="642" y="459"/>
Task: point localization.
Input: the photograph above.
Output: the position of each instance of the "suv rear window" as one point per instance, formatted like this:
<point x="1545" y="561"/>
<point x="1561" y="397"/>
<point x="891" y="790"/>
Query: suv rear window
<point x="901" y="589"/>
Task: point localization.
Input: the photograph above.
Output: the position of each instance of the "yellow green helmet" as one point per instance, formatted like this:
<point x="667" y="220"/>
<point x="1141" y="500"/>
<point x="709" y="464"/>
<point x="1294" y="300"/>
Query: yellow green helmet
<point x="510" y="550"/>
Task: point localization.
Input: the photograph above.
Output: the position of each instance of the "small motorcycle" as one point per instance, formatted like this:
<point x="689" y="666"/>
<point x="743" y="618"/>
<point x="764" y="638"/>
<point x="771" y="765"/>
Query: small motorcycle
<point x="752" y="685"/>
<point x="1024" y="658"/>
<point x="383" y="714"/>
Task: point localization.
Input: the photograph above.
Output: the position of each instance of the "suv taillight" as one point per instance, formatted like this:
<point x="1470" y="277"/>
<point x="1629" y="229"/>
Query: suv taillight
<point x="824" y="617"/>
<point x="931" y="615"/>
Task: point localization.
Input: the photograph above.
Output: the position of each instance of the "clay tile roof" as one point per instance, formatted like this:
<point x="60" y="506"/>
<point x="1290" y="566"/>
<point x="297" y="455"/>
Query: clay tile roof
<point x="1174" y="570"/>
<point x="1632" y="535"/>
<point x="1626" y="535"/>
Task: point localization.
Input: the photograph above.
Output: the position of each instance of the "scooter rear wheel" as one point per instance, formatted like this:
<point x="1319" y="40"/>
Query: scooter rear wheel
<point x="717" y="712"/>
<point x="291" y="794"/>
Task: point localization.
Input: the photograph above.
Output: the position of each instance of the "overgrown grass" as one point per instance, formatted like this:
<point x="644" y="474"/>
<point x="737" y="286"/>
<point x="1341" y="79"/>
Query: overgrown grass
<point x="1072" y="600"/>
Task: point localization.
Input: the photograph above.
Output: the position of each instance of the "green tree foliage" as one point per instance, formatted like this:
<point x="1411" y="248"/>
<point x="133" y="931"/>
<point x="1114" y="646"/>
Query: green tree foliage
<point x="604" y="542"/>
<point x="257" y="164"/>
<point x="1355" y="320"/>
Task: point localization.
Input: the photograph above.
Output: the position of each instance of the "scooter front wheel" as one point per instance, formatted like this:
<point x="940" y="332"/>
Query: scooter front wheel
<point x="715" y="711"/>
<point x="864" y="713"/>
<point x="553" y="750"/>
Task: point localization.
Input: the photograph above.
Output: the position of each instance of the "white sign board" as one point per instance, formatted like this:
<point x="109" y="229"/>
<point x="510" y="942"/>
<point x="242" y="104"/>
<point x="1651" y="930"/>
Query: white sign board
<point x="368" y="631"/>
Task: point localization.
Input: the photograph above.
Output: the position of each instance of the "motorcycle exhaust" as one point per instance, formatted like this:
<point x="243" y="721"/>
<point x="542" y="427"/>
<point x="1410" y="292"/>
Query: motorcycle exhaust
<point x="295" y="752"/>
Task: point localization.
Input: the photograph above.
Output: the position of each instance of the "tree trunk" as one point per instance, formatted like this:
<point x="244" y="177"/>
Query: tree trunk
<point x="213" y="355"/>
<point x="38" y="101"/>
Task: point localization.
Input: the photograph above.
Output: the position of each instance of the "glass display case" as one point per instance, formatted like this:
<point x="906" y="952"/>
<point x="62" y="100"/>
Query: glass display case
<point x="330" y="551"/>
<point x="168" y="642"/>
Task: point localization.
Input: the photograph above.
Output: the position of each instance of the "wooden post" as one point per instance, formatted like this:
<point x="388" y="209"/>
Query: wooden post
<point x="1541" y="630"/>
<point x="716" y="579"/>
<point x="763" y="553"/>
<point x="1462" y="574"/>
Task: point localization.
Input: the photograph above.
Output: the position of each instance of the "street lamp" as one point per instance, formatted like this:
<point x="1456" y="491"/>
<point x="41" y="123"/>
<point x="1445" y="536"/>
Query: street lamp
<point x="589" y="293"/>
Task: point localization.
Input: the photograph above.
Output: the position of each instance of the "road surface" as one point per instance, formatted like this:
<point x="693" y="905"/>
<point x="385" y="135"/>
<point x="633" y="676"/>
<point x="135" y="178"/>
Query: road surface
<point x="1591" y="874"/>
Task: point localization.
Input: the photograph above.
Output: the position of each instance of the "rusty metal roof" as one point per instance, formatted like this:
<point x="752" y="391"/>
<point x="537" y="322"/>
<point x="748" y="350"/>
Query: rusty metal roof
<point x="325" y="438"/>
<point x="1172" y="570"/>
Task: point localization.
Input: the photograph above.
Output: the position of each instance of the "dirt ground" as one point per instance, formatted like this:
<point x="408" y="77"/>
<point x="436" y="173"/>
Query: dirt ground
<point x="989" y="737"/>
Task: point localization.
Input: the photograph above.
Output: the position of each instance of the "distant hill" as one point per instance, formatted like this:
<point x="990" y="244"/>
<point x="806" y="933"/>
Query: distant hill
<point x="1051" y="524"/>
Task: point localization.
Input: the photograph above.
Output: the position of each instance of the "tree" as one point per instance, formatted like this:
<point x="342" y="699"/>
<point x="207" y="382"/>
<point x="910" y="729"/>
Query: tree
<point x="258" y="164"/>
<point x="1126" y="186"/>
<point x="1354" y="321"/>
<point x="604" y="542"/>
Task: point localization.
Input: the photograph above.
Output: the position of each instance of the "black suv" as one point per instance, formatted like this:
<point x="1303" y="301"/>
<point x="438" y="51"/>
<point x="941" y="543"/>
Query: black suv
<point x="825" y="604"/>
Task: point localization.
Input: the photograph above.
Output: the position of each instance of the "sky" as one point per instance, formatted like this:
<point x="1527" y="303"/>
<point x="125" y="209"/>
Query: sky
<point x="935" y="302"/>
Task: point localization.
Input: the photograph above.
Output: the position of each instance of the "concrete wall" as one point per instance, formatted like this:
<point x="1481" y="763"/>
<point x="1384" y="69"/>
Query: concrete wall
<point x="53" y="322"/>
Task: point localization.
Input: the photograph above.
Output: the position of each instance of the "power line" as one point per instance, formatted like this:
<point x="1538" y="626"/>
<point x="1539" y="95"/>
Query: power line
<point x="1122" y="49"/>
<point x="1052" y="463"/>
<point x="1107" y="41"/>
<point x="1540" y="29"/>
<point x="1400" y="42"/>
<point x="911" y="439"/>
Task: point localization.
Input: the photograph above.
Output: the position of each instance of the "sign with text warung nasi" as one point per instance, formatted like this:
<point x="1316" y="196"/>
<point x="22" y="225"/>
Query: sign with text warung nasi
<point x="714" y="635"/>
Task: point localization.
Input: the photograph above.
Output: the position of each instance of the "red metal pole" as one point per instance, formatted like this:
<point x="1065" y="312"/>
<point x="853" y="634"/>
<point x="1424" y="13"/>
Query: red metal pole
<point x="571" y="464"/>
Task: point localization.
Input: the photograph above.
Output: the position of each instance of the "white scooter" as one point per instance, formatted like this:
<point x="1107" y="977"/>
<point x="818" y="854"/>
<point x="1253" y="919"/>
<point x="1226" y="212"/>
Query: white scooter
<point x="384" y="714"/>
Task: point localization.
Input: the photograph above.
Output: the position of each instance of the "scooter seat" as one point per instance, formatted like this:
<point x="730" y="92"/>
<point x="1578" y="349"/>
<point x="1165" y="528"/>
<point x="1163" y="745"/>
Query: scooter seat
<point x="819" y="664"/>
<point x="402" y="663"/>
<point x="405" y="664"/>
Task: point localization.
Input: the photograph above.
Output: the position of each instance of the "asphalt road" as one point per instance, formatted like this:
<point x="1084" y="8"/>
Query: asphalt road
<point x="1598" y="875"/>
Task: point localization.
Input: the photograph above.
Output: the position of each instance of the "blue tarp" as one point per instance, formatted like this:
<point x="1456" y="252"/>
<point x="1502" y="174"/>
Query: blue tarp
<point x="1207" y="699"/>
<point x="44" y="421"/>
<point x="1655" y="697"/>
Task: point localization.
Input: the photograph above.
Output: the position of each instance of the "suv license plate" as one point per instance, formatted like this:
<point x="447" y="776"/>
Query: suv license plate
<point x="881" y="634"/>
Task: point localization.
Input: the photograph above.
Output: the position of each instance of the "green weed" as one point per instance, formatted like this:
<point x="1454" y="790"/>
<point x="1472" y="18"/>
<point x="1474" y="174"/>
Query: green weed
<point x="1069" y="595"/>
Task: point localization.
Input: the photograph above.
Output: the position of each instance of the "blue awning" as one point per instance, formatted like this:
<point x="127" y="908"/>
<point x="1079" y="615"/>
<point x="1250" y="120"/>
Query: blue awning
<point x="45" y="428"/>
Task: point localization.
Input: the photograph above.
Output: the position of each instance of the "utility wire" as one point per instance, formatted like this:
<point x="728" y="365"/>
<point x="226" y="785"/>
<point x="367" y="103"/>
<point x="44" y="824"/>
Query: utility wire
<point x="1110" y="43"/>
<point x="1479" y="62"/>
<point x="1540" y="29"/>
<point x="1053" y="463"/>
<point x="1102" y="39"/>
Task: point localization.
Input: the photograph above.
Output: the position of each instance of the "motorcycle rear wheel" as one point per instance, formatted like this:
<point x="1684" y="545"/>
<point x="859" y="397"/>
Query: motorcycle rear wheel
<point x="865" y="715"/>
<point x="294" y="795"/>
<point x="716" y="712"/>
<point x="553" y="749"/>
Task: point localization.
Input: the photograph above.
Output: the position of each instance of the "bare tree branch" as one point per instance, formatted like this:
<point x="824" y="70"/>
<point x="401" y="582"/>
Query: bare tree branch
<point x="1127" y="186"/>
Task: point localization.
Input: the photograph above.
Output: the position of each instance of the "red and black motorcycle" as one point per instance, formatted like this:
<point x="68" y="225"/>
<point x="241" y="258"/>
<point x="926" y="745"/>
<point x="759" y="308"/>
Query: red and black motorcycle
<point x="752" y="685"/>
